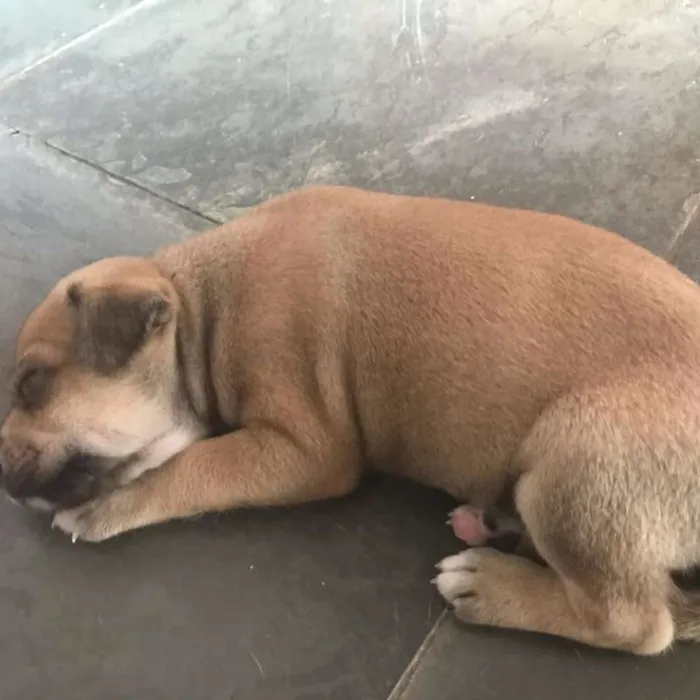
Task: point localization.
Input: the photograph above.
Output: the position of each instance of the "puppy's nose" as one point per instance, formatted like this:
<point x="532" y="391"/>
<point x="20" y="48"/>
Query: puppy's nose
<point x="17" y="485"/>
<point x="17" y="469"/>
<point x="2" y="460"/>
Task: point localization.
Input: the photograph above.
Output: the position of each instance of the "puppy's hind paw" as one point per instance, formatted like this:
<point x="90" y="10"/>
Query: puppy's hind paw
<point x="483" y="584"/>
<point x="469" y="525"/>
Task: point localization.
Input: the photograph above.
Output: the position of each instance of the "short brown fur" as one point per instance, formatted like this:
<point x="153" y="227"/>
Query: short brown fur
<point x="476" y="349"/>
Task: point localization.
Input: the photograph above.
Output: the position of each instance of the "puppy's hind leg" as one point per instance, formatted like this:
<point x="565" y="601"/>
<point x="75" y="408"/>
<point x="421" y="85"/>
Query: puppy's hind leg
<point x="487" y="587"/>
<point x="616" y="588"/>
<point x="601" y="504"/>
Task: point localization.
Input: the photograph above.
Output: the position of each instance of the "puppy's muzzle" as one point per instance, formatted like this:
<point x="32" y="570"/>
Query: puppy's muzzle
<point x="72" y="483"/>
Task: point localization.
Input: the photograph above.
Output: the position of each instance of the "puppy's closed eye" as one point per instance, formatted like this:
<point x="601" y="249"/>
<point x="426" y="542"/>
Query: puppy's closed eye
<point x="32" y="386"/>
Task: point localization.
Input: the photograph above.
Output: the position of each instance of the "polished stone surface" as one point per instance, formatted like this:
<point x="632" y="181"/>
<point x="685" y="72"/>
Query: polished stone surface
<point x="585" y="109"/>
<point x="536" y="103"/>
<point x="461" y="662"/>
<point x="321" y="602"/>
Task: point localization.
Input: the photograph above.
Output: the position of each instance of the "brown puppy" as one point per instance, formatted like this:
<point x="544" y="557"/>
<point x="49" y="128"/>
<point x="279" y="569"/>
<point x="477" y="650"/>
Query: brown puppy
<point x="480" y="350"/>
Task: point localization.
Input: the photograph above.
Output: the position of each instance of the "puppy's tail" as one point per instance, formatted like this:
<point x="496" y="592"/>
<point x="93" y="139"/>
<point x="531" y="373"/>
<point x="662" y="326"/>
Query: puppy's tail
<point x="685" y="608"/>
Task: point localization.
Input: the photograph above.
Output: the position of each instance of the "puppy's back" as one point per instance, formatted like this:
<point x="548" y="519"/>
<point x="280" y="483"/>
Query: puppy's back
<point x="465" y="320"/>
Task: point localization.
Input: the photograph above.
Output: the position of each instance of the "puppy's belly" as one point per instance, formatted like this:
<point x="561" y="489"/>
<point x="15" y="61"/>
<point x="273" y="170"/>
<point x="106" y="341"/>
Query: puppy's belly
<point x="458" y="446"/>
<point x="480" y="480"/>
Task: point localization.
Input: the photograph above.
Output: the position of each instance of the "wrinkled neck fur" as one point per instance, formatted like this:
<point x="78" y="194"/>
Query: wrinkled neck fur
<point x="192" y="348"/>
<point x="206" y="271"/>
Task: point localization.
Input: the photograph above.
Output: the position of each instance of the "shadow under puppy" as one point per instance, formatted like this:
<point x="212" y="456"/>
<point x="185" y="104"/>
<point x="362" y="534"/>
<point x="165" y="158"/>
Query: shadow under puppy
<point x="476" y="349"/>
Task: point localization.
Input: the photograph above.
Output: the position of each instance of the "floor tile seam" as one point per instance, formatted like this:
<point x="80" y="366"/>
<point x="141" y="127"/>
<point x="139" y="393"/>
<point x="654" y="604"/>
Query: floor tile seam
<point x="691" y="215"/>
<point x="129" y="182"/>
<point x="405" y="681"/>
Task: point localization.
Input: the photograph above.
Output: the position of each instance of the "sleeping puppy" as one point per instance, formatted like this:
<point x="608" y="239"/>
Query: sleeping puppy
<point x="488" y="352"/>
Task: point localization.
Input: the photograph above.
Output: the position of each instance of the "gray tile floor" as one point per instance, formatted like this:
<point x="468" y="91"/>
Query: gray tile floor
<point x="125" y="125"/>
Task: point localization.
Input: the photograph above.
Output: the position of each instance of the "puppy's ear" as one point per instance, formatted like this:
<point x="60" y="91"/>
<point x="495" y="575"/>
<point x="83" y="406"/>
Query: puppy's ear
<point x="113" y="324"/>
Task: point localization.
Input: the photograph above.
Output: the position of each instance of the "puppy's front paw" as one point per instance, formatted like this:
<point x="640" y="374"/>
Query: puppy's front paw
<point x="94" y="521"/>
<point x="478" y="583"/>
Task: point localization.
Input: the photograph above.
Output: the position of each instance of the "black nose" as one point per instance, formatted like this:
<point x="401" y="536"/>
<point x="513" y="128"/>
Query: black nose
<point x="3" y="465"/>
<point x="16" y="484"/>
<point x="18" y="469"/>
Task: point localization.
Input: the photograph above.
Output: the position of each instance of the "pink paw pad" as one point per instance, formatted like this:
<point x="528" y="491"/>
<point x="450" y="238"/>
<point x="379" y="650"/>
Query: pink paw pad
<point x="469" y="526"/>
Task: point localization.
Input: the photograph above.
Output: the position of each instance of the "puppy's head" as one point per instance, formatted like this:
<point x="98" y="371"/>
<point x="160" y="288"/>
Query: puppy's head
<point x="95" y="382"/>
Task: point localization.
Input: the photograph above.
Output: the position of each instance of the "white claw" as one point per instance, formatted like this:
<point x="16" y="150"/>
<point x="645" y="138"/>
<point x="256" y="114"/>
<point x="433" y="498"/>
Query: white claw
<point x="74" y="537"/>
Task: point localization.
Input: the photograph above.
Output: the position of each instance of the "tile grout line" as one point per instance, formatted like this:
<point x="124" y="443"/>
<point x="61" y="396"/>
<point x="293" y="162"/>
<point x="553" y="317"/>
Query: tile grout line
<point x="690" y="209"/>
<point x="118" y="178"/>
<point x="76" y="41"/>
<point x="404" y="682"/>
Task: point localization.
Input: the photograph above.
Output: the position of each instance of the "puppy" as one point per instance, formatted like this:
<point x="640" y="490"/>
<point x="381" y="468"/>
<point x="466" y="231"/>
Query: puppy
<point x="480" y="350"/>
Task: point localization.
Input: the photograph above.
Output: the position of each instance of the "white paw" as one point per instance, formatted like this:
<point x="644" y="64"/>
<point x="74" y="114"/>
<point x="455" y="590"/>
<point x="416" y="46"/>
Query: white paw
<point x="457" y="562"/>
<point x="94" y="521"/>
<point x="70" y="522"/>
<point x="488" y="587"/>
<point x="457" y="577"/>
